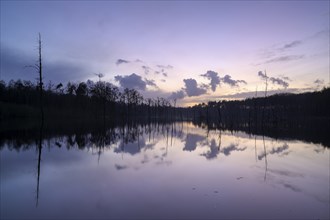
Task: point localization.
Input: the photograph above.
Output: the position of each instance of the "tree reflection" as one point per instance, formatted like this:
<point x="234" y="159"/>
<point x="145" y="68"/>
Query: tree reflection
<point x="97" y="138"/>
<point x="265" y="153"/>
<point x="39" y="148"/>
<point x="136" y="138"/>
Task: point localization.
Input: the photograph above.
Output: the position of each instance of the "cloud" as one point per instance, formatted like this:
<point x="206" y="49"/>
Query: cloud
<point x="146" y="69"/>
<point x="150" y="82"/>
<point x="322" y="33"/>
<point x="177" y="95"/>
<point x="244" y="95"/>
<point x="14" y="62"/>
<point x="291" y="45"/>
<point x="165" y="66"/>
<point x="262" y="75"/>
<point x="66" y="71"/>
<point x="279" y="81"/>
<point x="228" y="80"/>
<point x="273" y="80"/>
<point x="279" y="54"/>
<point x="214" y="79"/>
<point x="240" y="95"/>
<point x="192" y="89"/>
<point x="278" y="50"/>
<point x="158" y="69"/>
<point x="163" y="69"/>
<point x="286" y="78"/>
<point x="121" y="61"/>
<point x="134" y="81"/>
<point x="284" y="59"/>
<point x="319" y="82"/>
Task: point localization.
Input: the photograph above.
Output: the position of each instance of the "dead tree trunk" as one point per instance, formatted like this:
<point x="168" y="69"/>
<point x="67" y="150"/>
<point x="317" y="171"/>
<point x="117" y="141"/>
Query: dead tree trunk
<point x="39" y="67"/>
<point x="265" y="105"/>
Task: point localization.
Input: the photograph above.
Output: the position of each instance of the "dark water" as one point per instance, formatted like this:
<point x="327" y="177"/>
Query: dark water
<point x="162" y="171"/>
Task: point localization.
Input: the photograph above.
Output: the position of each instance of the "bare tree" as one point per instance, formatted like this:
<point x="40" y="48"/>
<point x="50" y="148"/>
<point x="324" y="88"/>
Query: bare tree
<point x="266" y="84"/>
<point x="38" y="67"/>
<point x="263" y="109"/>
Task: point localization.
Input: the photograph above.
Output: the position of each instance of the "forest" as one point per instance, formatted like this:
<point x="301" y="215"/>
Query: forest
<point x="92" y="100"/>
<point x="101" y="100"/>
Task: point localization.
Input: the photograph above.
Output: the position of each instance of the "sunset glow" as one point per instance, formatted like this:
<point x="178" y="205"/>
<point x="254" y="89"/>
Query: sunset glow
<point x="165" y="43"/>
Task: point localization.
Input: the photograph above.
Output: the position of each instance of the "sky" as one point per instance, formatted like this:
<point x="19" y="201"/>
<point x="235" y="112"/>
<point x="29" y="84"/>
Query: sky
<point x="191" y="51"/>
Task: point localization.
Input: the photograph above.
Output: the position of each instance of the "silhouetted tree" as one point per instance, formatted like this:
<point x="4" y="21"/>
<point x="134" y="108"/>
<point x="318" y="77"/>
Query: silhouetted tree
<point x="39" y="68"/>
<point x="82" y="89"/>
<point x="71" y="88"/>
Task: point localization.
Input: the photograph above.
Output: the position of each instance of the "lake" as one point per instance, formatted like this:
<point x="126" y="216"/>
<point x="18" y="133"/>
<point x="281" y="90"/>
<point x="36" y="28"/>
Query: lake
<point x="162" y="171"/>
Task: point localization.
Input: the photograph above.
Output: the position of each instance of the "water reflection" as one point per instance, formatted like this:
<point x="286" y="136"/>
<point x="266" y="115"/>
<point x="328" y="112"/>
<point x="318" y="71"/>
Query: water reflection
<point x="212" y="171"/>
<point x="39" y="148"/>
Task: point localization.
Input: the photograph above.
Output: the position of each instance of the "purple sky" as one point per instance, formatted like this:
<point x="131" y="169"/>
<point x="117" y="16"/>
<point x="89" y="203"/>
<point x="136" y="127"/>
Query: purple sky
<point x="199" y="50"/>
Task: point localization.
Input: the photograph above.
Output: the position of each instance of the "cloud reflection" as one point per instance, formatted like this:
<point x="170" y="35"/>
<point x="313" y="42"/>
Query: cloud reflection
<point x="191" y="141"/>
<point x="279" y="150"/>
<point x="232" y="147"/>
<point x="213" y="152"/>
<point x="120" y="167"/>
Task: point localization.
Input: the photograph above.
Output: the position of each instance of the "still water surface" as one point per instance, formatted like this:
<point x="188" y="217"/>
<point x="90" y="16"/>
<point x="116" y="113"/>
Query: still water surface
<point x="172" y="171"/>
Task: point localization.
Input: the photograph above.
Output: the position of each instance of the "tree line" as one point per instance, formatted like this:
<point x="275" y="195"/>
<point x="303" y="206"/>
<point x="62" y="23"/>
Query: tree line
<point x="102" y="99"/>
<point x="271" y="110"/>
<point x="91" y="99"/>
